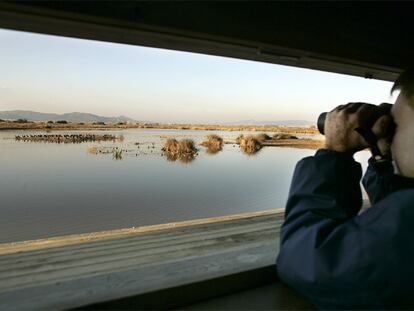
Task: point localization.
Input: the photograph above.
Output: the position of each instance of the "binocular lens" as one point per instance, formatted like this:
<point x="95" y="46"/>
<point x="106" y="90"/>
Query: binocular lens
<point x="321" y="122"/>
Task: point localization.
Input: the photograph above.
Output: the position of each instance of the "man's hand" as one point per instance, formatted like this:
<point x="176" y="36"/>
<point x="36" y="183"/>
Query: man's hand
<point x="340" y="125"/>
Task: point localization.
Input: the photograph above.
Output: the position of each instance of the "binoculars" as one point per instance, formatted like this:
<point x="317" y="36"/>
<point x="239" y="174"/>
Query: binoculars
<point x="365" y="130"/>
<point x="378" y="111"/>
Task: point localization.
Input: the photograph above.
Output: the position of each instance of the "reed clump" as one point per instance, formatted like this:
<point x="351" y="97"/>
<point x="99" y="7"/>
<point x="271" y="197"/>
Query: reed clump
<point x="184" y="150"/>
<point x="21" y="121"/>
<point x="187" y="146"/>
<point x="262" y="137"/>
<point x="213" y="143"/>
<point x="239" y="138"/>
<point x="213" y="140"/>
<point x="92" y="149"/>
<point x="171" y="146"/>
<point x="249" y="144"/>
<point x="280" y="136"/>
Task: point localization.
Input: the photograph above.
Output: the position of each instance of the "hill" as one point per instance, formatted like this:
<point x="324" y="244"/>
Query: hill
<point x="75" y="117"/>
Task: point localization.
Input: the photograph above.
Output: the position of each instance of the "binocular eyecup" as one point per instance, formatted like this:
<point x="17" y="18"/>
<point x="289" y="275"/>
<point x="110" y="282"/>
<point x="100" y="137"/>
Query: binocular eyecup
<point x="321" y="122"/>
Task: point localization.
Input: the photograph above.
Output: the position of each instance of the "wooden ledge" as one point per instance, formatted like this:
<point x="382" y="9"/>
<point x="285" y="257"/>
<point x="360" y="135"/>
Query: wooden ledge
<point x="22" y="246"/>
<point x="78" y="270"/>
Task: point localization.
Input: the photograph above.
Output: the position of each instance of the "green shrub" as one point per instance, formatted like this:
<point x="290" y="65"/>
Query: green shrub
<point x="117" y="153"/>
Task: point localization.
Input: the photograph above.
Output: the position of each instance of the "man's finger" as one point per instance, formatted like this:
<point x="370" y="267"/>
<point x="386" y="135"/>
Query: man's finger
<point x="386" y="106"/>
<point x="338" y="108"/>
<point x="353" y="107"/>
<point x="367" y="114"/>
<point x="343" y="107"/>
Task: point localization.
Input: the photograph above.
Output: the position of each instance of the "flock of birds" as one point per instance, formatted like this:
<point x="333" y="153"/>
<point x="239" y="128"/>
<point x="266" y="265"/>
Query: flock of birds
<point x="67" y="138"/>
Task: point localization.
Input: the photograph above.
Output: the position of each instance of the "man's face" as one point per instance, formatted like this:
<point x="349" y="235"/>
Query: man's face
<point x="402" y="146"/>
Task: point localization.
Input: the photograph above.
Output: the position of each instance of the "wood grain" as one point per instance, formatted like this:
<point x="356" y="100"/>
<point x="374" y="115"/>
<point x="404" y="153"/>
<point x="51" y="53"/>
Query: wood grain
<point x="76" y="270"/>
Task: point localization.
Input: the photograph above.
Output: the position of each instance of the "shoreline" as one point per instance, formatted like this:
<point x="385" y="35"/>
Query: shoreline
<point x="301" y="143"/>
<point x="206" y="127"/>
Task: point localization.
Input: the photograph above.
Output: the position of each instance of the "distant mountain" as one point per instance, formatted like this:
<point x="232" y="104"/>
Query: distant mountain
<point x="280" y="122"/>
<point x="70" y="117"/>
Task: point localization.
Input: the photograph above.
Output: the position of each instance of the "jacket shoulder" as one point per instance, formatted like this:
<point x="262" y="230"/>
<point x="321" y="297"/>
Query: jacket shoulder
<point x="401" y="199"/>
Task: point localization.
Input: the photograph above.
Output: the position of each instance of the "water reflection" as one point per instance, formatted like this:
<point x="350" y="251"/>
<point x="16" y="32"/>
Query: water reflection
<point x="250" y="150"/>
<point x="75" y="188"/>
<point x="213" y="149"/>
<point x="183" y="150"/>
<point x="171" y="157"/>
<point x="249" y="144"/>
<point x="187" y="157"/>
<point x="183" y="157"/>
<point x="213" y="143"/>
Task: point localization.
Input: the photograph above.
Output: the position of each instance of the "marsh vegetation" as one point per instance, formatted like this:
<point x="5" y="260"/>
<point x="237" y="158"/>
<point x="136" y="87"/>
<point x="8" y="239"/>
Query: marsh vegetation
<point x="39" y="125"/>
<point x="249" y="144"/>
<point x="262" y="137"/>
<point x="183" y="150"/>
<point x="280" y="136"/>
<point x="117" y="153"/>
<point x="213" y="143"/>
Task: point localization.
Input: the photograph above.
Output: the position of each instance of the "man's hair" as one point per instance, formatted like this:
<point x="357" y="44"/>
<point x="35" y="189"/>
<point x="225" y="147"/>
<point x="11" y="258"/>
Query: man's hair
<point x="405" y="83"/>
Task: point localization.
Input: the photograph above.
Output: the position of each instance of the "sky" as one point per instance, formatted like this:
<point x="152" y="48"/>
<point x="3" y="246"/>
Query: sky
<point x="57" y="74"/>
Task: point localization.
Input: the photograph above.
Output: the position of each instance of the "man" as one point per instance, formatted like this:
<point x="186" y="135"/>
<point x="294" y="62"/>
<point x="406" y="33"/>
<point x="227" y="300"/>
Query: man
<point x="330" y="252"/>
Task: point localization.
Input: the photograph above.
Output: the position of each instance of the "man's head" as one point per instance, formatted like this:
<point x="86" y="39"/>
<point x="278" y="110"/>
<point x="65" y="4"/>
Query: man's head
<point x="403" y="114"/>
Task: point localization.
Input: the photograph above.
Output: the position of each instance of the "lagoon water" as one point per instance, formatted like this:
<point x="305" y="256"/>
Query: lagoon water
<point x="49" y="189"/>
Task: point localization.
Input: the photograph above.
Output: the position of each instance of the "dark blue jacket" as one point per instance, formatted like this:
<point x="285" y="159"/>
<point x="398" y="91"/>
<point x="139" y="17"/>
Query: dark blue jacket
<point x="338" y="257"/>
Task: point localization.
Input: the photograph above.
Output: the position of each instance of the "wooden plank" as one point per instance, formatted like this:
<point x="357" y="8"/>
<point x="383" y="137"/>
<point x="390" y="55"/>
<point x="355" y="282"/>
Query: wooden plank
<point x="109" y="262"/>
<point x="78" y="270"/>
<point x="77" y="239"/>
<point x="73" y="271"/>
